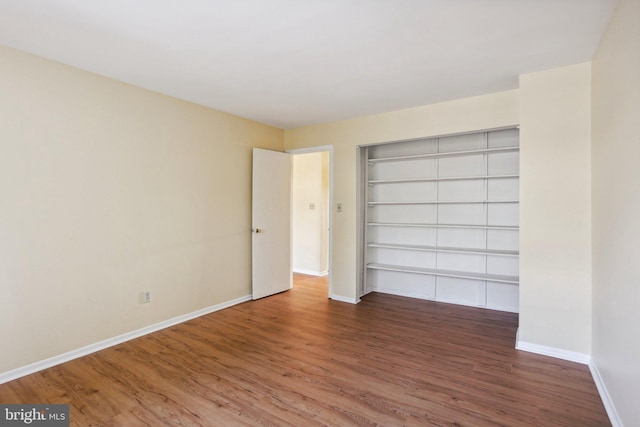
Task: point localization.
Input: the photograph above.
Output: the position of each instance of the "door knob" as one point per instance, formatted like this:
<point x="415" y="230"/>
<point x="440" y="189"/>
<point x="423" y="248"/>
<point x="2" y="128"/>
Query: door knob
<point x="257" y="230"/>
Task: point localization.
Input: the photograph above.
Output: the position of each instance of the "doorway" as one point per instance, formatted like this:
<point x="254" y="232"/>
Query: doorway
<point x="311" y="219"/>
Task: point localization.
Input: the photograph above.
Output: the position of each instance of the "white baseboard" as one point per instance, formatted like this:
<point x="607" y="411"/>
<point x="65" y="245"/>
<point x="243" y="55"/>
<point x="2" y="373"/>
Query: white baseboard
<point x="110" y="342"/>
<point x="558" y="353"/>
<point x="310" y="272"/>
<point x="366" y="292"/>
<point x="341" y="298"/>
<point x="585" y="359"/>
<point x="604" y="395"/>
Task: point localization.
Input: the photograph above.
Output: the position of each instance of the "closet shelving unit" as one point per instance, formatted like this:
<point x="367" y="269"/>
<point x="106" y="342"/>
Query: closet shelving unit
<point x="441" y="219"/>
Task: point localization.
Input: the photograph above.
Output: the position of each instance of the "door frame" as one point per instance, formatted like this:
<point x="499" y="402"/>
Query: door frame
<point x="320" y="149"/>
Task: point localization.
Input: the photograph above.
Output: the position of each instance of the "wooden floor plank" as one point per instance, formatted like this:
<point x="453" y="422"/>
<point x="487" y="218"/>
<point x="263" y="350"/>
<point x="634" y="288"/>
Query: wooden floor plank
<point x="298" y="358"/>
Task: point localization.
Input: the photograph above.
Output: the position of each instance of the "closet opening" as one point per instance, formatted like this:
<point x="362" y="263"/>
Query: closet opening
<point x="439" y="218"/>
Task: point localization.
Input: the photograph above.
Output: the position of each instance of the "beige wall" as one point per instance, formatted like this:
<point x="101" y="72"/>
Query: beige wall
<point x="616" y="210"/>
<point x="555" y="209"/>
<point x="106" y="191"/>
<point x="470" y="114"/>
<point x="310" y="226"/>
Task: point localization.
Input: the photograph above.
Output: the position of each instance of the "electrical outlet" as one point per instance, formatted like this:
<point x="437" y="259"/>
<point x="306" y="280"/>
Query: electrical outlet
<point x="146" y="297"/>
<point x="312" y="205"/>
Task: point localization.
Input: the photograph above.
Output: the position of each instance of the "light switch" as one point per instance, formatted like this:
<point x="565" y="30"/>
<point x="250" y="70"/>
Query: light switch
<point x="339" y="207"/>
<point x="312" y="206"/>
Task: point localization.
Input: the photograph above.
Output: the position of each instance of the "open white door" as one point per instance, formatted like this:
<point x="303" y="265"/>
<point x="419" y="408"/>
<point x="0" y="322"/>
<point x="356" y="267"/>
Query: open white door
<point x="271" y="223"/>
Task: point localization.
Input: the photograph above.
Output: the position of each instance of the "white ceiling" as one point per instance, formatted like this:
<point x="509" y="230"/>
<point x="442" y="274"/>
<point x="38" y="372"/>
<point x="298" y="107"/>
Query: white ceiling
<point x="290" y="63"/>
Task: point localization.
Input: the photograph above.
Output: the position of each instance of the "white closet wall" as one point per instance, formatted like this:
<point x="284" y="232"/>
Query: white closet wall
<point x="442" y="219"/>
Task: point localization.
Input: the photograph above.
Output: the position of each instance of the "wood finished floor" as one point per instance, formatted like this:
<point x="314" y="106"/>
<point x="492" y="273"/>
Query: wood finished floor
<point x="299" y="359"/>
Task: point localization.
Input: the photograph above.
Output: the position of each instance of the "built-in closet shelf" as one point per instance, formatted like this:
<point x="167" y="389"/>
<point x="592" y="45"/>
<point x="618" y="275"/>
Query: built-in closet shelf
<point x="448" y="178"/>
<point x="439" y="215"/>
<point x="446" y="273"/>
<point x="464" y="226"/>
<point x="443" y="249"/>
<point x="446" y="154"/>
<point x="442" y="202"/>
